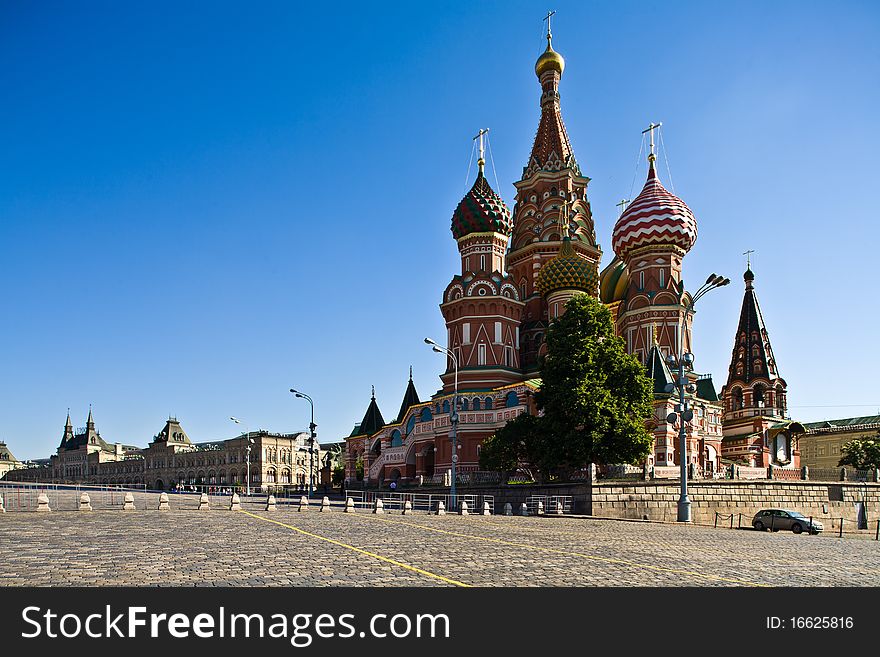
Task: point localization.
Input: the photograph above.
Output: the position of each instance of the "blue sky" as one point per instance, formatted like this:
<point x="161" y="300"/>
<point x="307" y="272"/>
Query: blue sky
<point x="203" y="205"/>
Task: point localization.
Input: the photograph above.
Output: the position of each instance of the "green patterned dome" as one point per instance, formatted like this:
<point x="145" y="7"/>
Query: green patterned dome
<point x="481" y="211"/>
<point x="568" y="271"/>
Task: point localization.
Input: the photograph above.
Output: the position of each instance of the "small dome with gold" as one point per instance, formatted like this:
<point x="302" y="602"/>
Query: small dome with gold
<point x="568" y="271"/>
<point x="481" y="211"/>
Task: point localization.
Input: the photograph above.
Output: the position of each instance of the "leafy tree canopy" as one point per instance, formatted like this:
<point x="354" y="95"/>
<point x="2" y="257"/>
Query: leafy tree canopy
<point x="862" y="453"/>
<point x="594" y="396"/>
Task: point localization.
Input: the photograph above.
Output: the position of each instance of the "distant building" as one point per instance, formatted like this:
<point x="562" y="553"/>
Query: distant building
<point x="277" y="461"/>
<point x="8" y="462"/>
<point x="822" y="444"/>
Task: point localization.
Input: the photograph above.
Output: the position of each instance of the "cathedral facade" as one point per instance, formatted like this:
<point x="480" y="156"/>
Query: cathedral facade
<point x="518" y="270"/>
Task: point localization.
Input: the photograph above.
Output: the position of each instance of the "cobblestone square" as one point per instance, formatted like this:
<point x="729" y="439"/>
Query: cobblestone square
<point x="287" y="548"/>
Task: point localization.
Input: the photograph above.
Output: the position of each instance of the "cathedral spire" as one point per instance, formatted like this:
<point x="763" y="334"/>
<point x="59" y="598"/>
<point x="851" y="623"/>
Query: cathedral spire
<point x="410" y="398"/>
<point x="752" y="356"/>
<point x="552" y="149"/>
<point x="373" y="420"/>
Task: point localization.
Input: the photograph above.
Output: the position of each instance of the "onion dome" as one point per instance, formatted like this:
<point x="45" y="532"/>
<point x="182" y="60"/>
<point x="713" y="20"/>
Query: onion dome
<point x="550" y="60"/>
<point x="481" y="211"/>
<point x="613" y="282"/>
<point x="655" y="217"/>
<point x="568" y="271"/>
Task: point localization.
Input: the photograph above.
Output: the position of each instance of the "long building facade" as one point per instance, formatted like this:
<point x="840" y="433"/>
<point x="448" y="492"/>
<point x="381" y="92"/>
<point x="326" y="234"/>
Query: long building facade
<point x="172" y="460"/>
<point x="518" y="269"/>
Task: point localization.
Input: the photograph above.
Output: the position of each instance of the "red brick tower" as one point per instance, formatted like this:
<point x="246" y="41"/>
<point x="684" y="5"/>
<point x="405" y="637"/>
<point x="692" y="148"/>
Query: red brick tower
<point x="756" y="431"/>
<point x="482" y="307"/>
<point x="551" y="177"/>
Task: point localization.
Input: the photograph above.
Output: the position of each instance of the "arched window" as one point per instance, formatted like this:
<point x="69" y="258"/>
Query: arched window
<point x="758" y="395"/>
<point x="426" y="415"/>
<point x="396" y="439"/>
<point x="488" y="405"/>
<point x="477" y="404"/>
<point x="411" y="424"/>
<point x="446" y="406"/>
<point x="464" y="404"/>
<point x="737" y="398"/>
<point x="780" y="397"/>
<point x="512" y="399"/>
<point x="757" y="367"/>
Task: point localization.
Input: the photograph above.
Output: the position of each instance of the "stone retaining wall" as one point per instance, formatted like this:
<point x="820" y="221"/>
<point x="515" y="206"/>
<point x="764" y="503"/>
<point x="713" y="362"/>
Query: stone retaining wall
<point x="825" y="502"/>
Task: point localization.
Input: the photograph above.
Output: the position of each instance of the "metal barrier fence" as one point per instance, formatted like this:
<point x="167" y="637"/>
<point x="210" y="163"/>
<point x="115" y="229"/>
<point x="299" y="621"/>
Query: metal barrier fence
<point x="424" y="502"/>
<point x="23" y="496"/>
<point x="549" y="502"/>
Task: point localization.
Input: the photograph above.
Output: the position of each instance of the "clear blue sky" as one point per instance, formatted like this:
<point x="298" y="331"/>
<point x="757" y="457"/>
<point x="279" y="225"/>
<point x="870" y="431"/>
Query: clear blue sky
<point x="205" y="204"/>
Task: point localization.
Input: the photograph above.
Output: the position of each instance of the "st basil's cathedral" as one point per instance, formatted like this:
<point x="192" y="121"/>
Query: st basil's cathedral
<point x="519" y="269"/>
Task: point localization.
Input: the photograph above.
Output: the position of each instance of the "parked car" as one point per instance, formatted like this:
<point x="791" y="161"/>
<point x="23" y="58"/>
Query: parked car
<point x="777" y="519"/>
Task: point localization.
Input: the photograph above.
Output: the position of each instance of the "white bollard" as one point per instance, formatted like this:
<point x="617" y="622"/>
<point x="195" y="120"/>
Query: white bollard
<point x="407" y="508"/>
<point x="441" y="508"/>
<point x="349" y="505"/>
<point x="2" y="508"/>
<point x="463" y="509"/>
<point x="270" y="503"/>
<point x="128" y="502"/>
<point x="235" y="503"/>
<point x="85" y="502"/>
<point x="523" y="509"/>
<point x="486" y="511"/>
<point x="508" y="509"/>
<point x="325" y="505"/>
<point x="540" y="511"/>
<point x="43" y="502"/>
<point x="303" y="503"/>
<point x="378" y="506"/>
<point x="163" y="502"/>
<point x="204" y="505"/>
<point x="558" y="508"/>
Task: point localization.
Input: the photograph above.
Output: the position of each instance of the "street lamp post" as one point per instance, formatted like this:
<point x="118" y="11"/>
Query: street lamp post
<point x="683" y="413"/>
<point x="312" y="436"/>
<point x="250" y="441"/>
<point x="453" y="417"/>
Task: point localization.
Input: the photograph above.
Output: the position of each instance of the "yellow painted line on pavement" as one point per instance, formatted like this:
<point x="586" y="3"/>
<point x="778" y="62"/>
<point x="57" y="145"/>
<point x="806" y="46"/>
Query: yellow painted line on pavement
<point x="359" y="550"/>
<point x="592" y="557"/>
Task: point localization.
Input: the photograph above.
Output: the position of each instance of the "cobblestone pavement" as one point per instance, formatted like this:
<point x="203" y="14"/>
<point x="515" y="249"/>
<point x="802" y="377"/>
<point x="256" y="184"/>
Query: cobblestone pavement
<point x="287" y="548"/>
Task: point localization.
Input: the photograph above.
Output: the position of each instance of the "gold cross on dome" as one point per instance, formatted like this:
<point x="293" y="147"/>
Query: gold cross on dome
<point x="547" y="18"/>
<point x="481" y="162"/>
<point x="651" y="128"/>
<point x="748" y="255"/>
<point x="563" y="218"/>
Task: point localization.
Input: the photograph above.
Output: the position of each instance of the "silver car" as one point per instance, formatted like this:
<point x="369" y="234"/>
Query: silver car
<point x="776" y="519"/>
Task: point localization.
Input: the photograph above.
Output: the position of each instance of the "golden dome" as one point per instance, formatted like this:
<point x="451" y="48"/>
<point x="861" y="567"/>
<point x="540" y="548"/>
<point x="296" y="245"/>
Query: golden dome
<point x="613" y="282"/>
<point x="550" y="60"/>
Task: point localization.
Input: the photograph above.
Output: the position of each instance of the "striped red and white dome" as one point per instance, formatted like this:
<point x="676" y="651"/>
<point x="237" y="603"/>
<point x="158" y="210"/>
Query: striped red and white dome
<point x="655" y="217"/>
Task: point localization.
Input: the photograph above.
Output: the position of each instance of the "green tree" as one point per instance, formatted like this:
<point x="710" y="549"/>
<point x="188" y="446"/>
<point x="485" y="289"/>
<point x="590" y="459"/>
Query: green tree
<point x="862" y="453"/>
<point x="594" y="396"/>
<point x="515" y="446"/>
